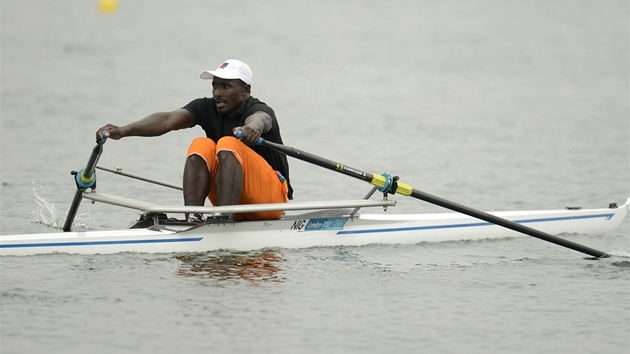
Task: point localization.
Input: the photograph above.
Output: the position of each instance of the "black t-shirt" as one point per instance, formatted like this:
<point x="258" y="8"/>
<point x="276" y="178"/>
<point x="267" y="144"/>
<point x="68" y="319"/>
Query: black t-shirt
<point x="218" y="125"/>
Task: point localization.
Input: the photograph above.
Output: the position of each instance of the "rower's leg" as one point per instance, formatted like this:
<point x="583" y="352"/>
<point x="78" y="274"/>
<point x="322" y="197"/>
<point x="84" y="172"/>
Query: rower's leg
<point x="229" y="179"/>
<point x="196" y="181"/>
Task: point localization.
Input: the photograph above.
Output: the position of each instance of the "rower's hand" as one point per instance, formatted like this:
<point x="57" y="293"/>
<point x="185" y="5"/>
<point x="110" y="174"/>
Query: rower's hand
<point x="248" y="134"/>
<point x="110" y="131"/>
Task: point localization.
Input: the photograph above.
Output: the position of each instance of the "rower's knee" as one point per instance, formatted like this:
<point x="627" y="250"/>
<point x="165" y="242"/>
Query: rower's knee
<point x="225" y="155"/>
<point x="228" y="163"/>
<point x="195" y="159"/>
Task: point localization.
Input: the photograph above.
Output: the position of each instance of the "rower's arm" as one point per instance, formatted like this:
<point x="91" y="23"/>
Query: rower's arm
<point x="152" y="125"/>
<point x="255" y="125"/>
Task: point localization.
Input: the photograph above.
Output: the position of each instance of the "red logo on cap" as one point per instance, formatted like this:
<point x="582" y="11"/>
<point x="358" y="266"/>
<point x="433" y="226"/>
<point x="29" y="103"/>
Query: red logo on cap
<point x="223" y="65"/>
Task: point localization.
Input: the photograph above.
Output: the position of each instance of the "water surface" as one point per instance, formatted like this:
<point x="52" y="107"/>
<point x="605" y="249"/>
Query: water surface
<point x="497" y="105"/>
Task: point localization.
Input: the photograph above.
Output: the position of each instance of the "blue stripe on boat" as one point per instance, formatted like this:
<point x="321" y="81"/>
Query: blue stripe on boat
<point x="455" y="226"/>
<point x="102" y="243"/>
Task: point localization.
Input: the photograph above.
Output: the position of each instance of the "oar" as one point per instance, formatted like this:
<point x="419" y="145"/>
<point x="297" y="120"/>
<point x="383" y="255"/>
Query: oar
<point x="84" y="179"/>
<point x="385" y="183"/>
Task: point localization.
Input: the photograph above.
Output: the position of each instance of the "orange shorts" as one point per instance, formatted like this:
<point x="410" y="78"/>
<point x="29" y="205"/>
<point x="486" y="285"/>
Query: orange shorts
<point x="261" y="184"/>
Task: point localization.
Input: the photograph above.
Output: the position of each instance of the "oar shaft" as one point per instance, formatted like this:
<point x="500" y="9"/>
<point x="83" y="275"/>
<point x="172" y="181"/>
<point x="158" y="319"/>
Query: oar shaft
<point x="506" y="223"/>
<point x="78" y="195"/>
<point x="320" y="161"/>
<point x="407" y="190"/>
<point x="72" y="212"/>
<point x="91" y="164"/>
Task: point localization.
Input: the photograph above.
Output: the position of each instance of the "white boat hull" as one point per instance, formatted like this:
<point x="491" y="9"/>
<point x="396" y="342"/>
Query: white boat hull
<point x="301" y="231"/>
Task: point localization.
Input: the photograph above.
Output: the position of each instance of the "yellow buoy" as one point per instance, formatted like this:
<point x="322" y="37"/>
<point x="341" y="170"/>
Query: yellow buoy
<point x="108" y="6"/>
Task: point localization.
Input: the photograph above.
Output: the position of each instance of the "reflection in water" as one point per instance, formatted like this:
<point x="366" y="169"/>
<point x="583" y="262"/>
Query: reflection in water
<point x="253" y="266"/>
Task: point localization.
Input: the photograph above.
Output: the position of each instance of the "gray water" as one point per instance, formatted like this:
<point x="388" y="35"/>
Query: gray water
<point x="497" y="105"/>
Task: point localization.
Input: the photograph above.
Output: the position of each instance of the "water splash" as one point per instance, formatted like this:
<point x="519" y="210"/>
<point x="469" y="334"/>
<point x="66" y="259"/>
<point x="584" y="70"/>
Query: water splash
<point x="620" y="253"/>
<point x="45" y="213"/>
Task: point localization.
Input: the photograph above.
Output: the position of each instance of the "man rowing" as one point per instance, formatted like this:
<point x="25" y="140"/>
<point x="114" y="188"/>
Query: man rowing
<point x="225" y="169"/>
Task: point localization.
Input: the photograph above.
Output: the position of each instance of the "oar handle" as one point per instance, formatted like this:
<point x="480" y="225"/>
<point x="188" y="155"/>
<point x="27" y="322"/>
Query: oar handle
<point x="104" y="135"/>
<point x="239" y="134"/>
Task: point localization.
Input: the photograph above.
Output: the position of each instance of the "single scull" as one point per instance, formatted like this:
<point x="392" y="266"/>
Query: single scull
<point x="306" y="224"/>
<point x="330" y="224"/>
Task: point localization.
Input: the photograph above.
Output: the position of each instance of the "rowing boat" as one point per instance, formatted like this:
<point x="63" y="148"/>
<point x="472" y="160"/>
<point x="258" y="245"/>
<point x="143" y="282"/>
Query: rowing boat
<point x="312" y="224"/>
<point x="306" y="224"/>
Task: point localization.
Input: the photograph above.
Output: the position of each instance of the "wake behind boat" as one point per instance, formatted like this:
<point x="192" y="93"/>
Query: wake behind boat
<point x="306" y="224"/>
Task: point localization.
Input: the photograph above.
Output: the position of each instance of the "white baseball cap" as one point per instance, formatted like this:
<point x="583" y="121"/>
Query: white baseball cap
<point x="231" y="69"/>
